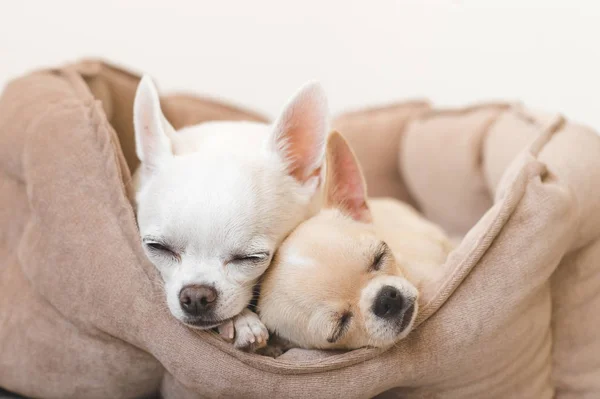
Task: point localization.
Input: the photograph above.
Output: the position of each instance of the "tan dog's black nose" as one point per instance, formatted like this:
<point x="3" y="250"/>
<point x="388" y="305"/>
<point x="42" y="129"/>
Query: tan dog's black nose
<point x="197" y="299"/>
<point x="389" y="303"/>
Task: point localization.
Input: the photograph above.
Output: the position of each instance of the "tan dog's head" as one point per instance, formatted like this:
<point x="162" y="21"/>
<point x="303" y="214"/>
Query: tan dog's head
<point x="333" y="283"/>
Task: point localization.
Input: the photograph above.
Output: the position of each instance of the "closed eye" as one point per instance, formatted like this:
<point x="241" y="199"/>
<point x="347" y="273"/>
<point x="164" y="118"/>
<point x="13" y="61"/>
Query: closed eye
<point x="257" y="257"/>
<point x="379" y="257"/>
<point x="161" y="249"/>
<point x="340" y="328"/>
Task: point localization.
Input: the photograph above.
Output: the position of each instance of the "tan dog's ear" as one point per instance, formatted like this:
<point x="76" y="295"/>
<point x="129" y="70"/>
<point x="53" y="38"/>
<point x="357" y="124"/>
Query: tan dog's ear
<point x="345" y="187"/>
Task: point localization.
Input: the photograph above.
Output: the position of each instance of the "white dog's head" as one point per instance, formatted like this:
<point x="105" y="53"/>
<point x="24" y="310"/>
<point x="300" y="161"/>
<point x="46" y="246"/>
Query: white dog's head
<point x="215" y="200"/>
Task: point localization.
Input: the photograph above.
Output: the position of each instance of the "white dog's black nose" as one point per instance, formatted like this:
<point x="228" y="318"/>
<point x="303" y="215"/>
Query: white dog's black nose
<point x="197" y="299"/>
<point x="389" y="303"/>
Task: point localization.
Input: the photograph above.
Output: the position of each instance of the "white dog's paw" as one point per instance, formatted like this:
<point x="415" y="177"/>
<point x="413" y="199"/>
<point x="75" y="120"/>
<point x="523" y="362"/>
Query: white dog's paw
<point x="250" y="332"/>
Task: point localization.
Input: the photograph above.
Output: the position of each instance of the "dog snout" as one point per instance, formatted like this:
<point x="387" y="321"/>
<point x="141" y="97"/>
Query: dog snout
<point x="197" y="299"/>
<point x="389" y="303"/>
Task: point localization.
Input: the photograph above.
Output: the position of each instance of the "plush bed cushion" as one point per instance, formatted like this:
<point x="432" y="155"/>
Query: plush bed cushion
<point x="82" y="311"/>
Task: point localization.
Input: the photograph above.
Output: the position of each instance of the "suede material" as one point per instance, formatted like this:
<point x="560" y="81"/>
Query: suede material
<point x="82" y="311"/>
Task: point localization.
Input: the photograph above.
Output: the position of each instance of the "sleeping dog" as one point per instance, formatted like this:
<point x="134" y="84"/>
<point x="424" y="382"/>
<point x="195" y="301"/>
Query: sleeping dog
<point x="349" y="277"/>
<point x="215" y="200"/>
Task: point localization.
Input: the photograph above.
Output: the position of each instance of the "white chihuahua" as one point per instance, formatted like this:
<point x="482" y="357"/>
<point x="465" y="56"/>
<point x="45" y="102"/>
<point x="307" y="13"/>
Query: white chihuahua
<point x="215" y="200"/>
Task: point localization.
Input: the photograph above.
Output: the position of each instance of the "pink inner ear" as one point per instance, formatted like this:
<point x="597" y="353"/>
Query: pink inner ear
<point x="355" y="207"/>
<point x="300" y="132"/>
<point x="348" y="189"/>
<point x="301" y="152"/>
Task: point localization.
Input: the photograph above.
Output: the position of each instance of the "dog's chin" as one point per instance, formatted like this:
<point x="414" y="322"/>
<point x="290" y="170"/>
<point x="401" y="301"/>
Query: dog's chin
<point x="395" y="330"/>
<point x="203" y="324"/>
<point x="407" y="321"/>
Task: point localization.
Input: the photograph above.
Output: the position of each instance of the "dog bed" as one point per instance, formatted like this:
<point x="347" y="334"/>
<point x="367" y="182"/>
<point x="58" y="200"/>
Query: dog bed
<point x="513" y="313"/>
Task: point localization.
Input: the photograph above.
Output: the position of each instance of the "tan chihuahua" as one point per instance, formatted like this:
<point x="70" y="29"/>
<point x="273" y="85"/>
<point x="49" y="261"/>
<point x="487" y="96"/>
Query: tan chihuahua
<point x="349" y="276"/>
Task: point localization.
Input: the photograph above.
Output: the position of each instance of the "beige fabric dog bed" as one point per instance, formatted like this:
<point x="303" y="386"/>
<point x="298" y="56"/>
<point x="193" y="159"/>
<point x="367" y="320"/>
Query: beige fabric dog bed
<point x="82" y="313"/>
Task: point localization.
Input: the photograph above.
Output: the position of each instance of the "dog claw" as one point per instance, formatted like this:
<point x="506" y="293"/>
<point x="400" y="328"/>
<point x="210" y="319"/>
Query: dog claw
<point x="250" y="333"/>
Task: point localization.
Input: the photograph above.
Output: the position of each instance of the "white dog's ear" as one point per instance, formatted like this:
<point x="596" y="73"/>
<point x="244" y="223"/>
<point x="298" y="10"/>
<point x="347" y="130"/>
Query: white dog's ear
<point x="152" y="130"/>
<point x="345" y="187"/>
<point x="300" y="132"/>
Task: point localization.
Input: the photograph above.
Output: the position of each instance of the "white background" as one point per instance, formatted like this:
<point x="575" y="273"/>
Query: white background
<point x="257" y="53"/>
